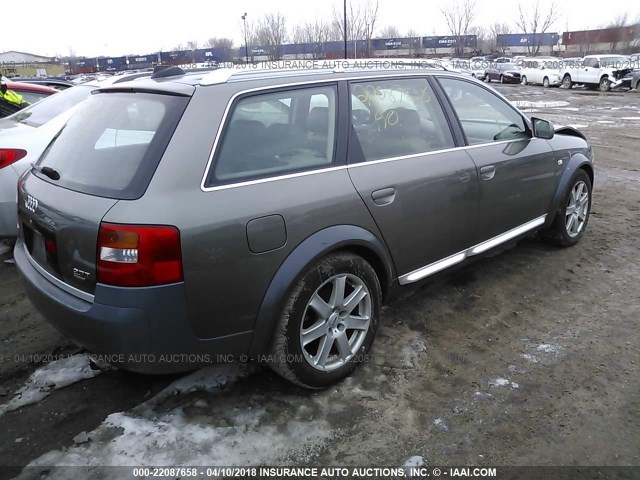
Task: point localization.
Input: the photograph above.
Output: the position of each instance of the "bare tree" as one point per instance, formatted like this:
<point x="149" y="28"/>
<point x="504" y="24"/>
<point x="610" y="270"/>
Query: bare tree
<point x="192" y="45"/>
<point x="536" y="22"/>
<point x="316" y="34"/>
<point x="361" y="22"/>
<point x="483" y="40"/>
<point x="272" y="34"/>
<point x="389" y="32"/>
<point x="225" y="44"/>
<point x="496" y="30"/>
<point x="416" y="42"/>
<point x="617" y="23"/>
<point x="459" y="16"/>
<point x="621" y="20"/>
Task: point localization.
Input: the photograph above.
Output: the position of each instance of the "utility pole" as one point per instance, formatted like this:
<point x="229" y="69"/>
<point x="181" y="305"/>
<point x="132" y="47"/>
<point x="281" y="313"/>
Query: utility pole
<point x="345" y="30"/>
<point x="246" y="45"/>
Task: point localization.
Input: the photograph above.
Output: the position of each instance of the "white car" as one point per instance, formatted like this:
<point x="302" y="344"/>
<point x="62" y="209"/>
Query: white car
<point x="598" y="71"/>
<point x="25" y="135"/>
<point x="543" y="71"/>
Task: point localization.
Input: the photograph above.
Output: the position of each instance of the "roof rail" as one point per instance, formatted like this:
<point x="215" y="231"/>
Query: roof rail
<point x="310" y="67"/>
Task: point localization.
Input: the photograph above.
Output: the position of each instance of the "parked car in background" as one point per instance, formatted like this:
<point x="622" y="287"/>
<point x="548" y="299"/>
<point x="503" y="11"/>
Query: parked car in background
<point x="56" y="83"/>
<point x="543" y="71"/>
<point x="30" y="94"/>
<point x="596" y="71"/>
<point x="24" y="136"/>
<point x="631" y="81"/>
<point x="127" y="245"/>
<point x="503" y="73"/>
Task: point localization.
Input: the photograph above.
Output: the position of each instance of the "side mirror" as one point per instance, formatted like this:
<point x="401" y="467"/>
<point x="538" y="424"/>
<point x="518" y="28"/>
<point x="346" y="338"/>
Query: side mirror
<point x="542" y="128"/>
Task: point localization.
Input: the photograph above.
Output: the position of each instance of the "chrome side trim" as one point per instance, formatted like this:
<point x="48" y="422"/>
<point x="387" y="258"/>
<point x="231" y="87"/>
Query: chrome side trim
<point x="87" y="297"/>
<point x="273" y="179"/>
<point x="432" y="268"/>
<point x="447" y="262"/>
<point x="513" y="233"/>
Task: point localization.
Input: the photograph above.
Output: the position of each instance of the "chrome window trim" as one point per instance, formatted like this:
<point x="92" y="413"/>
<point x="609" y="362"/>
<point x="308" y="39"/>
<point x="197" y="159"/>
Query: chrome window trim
<point x="56" y="281"/>
<point x="321" y="82"/>
<point x="482" y="247"/>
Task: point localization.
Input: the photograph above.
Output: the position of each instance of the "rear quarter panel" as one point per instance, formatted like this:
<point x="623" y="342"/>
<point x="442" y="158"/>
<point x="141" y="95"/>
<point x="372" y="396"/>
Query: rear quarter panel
<point x="224" y="281"/>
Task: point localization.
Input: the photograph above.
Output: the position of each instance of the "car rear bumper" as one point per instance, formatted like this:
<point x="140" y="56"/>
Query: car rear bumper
<point x="138" y="329"/>
<point x="8" y="207"/>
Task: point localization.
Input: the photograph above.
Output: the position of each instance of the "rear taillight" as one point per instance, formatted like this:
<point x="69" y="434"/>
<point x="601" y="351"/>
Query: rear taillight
<point x="139" y="255"/>
<point x="10" y="155"/>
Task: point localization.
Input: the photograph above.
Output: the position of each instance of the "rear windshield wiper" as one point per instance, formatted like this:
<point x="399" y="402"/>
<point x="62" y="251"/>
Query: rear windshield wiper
<point x="48" y="171"/>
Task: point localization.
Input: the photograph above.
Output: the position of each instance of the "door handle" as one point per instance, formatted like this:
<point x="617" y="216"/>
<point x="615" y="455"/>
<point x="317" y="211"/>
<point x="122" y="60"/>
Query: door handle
<point x="488" y="172"/>
<point x="384" y="196"/>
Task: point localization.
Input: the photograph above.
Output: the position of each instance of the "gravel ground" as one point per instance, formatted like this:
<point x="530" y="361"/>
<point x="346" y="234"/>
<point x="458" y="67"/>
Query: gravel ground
<point x="529" y="357"/>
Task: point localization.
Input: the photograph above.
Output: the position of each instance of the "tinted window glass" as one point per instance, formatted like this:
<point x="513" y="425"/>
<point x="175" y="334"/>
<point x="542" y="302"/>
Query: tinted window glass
<point x="52" y="106"/>
<point x="277" y="133"/>
<point x="112" y="144"/>
<point x="394" y="118"/>
<point x="484" y="116"/>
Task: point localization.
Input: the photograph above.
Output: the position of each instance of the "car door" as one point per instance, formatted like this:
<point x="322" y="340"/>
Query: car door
<point x="517" y="173"/>
<point x="590" y="72"/>
<point x="422" y="194"/>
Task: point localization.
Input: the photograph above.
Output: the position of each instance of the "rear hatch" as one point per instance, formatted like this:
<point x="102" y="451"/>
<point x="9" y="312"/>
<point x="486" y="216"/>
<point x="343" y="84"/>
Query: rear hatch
<point x="108" y="151"/>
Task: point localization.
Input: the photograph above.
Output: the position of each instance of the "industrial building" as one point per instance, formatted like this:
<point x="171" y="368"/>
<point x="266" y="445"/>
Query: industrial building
<point x="13" y="63"/>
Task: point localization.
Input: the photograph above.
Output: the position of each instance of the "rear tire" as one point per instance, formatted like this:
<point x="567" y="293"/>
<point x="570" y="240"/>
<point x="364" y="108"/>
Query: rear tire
<point x="566" y="82"/>
<point x="573" y="215"/>
<point x="545" y="82"/>
<point x="328" y="322"/>
<point x="501" y="79"/>
<point x="524" y="80"/>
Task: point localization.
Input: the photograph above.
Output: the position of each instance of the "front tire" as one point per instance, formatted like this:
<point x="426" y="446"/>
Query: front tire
<point x="571" y="219"/>
<point x="604" y="85"/>
<point x="501" y="79"/>
<point x="328" y="322"/>
<point x="545" y="82"/>
<point x="524" y="80"/>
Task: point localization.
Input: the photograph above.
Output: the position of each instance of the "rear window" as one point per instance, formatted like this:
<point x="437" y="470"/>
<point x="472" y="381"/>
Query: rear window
<point x="52" y="106"/>
<point x="112" y="145"/>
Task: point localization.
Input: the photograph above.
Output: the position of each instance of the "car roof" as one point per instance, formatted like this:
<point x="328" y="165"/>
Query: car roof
<point x="181" y="82"/>
<point x="29" y="87"/>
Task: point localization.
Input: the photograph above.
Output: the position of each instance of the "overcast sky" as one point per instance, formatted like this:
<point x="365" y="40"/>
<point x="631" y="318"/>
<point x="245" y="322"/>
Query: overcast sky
<point x="119" y="27"/>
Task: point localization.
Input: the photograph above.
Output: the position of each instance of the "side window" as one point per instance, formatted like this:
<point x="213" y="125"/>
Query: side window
<point x="394" y="118"/>
<point x="484" y="116"/>
<point x="277" y="133"/>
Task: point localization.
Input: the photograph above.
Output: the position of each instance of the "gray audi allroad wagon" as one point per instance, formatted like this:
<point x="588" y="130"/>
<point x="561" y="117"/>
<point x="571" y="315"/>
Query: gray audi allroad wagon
<point x="270" y="213"/>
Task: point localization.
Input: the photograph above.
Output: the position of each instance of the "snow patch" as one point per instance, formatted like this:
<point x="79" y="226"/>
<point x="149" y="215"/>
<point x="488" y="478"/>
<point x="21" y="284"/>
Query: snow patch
<point x="413" y="462"/>
<point x="541" y="104"/>
<point x="411" y="353"/>
<point x="440" y="425"/>
<point x="175" y="439"/>
<point x="148" y="435"/>
<point x="547" y="348"/>
<point x="530" y="358"/>
<point x="53" y="376"/>
<point x="503" y="382"/>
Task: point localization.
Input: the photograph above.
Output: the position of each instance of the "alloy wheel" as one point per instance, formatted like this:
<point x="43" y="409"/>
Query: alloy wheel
<point x="335" y="322"/>
<point x="577" y="209"/>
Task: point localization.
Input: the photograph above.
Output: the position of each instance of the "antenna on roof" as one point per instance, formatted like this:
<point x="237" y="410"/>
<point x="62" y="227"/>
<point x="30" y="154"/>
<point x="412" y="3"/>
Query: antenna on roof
<point x="161" y="71"/>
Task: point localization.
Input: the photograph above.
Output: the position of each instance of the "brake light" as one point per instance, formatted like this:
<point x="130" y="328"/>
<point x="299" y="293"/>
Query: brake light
<point x="139" y="255"/>
<point x="10" y="155"/>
